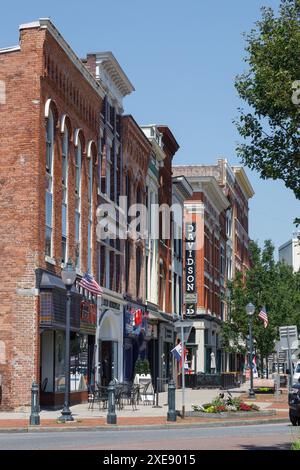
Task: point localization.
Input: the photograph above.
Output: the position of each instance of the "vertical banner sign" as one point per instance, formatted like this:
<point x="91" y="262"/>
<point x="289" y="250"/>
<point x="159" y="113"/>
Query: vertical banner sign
<point x="190" y="267"/>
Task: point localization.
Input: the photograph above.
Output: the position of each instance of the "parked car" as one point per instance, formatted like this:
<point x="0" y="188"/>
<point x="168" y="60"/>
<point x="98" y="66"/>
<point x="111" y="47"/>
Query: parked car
<point x="296" y="375"/>
<point x="294" y="404"/>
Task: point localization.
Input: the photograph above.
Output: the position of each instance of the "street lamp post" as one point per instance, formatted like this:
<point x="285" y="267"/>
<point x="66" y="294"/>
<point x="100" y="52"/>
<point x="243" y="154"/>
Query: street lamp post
<point x="250" y="309"/>
<point x="68" y="276"/>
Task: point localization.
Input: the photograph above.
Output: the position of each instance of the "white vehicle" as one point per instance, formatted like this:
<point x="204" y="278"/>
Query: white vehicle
<point x="296" y="375"/>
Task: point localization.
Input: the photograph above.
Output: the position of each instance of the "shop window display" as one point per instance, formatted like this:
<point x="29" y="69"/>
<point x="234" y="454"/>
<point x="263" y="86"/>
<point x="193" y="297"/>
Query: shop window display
<point x="78" y="362"/>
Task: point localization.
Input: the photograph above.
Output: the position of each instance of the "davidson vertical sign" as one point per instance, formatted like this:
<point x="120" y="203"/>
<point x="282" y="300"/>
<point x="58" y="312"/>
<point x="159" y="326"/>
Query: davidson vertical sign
<point x="190" y="269"/>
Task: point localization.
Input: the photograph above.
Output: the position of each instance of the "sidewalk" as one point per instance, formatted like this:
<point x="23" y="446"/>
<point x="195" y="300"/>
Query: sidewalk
<point x="146" y="416"/>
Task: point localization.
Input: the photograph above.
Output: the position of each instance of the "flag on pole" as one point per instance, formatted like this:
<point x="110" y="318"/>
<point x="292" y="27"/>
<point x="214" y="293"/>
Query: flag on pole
<point x="263" y="316"/>
<point x="254" y="367"/>
<point x="89" y="283"/>
<point x="177" y="352"/>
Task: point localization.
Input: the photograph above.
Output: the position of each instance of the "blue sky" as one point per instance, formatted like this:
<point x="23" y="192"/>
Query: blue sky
<point x="182" y="58"/>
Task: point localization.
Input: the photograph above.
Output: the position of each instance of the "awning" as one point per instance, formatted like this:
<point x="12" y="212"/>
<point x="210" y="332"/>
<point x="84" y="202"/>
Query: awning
<point x="50" y="281"/>
<point x="153" y="315"/>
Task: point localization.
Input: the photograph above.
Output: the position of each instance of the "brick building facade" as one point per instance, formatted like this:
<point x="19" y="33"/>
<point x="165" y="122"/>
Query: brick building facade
<point x="219" y="207"/>
<point x="136" y="155"/>
<point x="67" y="158"/>
<point x="109" y="350"/>
<point x="50" y="126"/>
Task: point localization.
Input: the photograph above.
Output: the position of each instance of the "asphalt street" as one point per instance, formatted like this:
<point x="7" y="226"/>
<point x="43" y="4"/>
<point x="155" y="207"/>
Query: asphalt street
<point x="255" y="437"/>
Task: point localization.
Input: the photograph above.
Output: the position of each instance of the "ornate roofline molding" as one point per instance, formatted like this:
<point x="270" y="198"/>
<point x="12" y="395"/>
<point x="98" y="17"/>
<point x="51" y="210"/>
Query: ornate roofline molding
<point x="45" y="23"/>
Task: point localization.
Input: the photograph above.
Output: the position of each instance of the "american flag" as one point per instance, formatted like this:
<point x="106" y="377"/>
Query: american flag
<point x="89" y="283"/>
<point x="263" y="316"/>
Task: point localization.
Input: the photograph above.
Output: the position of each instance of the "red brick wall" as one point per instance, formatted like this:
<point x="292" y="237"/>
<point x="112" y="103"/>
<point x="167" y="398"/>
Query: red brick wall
<point x="19" y="208"/>
<point x="136" y="155"/>
<point x="40" y="70"/>
<point x="165" y="197"/>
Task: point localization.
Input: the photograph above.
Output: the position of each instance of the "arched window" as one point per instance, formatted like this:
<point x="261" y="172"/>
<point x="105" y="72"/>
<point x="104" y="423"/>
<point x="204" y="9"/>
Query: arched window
<point x="49" y="185"/>
<point x="78" y="168"/>
<point x="90" y="219"/>
<point x="64" y="210"/>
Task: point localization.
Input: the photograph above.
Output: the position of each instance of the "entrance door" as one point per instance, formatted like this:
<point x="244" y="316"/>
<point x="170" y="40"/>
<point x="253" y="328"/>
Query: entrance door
<point x="167" y="361"/>
<point x="207" y="360"/>
<point x="109" y="361"/>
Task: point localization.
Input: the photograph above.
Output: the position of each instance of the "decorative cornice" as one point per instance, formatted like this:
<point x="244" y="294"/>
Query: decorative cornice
<point x="109" y="64"/>
<point x="243" y="181"/>
<point x="182" y="186"/>
<point x="4" y="50"/>
<point x="45" y="23"/>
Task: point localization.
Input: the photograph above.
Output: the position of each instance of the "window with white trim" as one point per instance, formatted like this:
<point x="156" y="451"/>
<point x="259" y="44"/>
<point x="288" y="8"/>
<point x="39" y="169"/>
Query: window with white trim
<point x="49" y="184"/>
<point x="64" y="209"/>
<point x="90" y="220"/>
<point x="108" y="168"/>
<point x="78" y="165"/>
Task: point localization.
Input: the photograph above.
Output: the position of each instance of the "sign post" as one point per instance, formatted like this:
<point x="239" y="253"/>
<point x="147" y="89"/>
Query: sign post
<point x="185" y="328"/>
<point x="289" y="342"/>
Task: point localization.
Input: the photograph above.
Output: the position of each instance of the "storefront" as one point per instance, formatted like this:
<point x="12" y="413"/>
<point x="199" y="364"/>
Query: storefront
<point x="110" y="338"/>
<point x="52" y="342"/>
<point x="136" y="337"/>
<point x="204" y="350"/>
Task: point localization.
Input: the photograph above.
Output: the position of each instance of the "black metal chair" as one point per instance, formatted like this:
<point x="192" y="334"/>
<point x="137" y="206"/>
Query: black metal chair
<point x="135" y="396"/>
<point x="92" y="396"/>
<point x="119" y="396"/>
<point x="102" y="396"/>
<point x="124" y="393"/>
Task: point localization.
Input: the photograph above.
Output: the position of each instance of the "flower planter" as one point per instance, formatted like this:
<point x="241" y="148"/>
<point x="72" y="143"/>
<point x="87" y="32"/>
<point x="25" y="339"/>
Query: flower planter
<point x="231" y="414"/>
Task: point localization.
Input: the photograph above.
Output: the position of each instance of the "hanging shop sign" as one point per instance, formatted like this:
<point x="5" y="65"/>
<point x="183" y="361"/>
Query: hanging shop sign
<point x="190" y="269"/>
<point x="191" y="309"/>
<point x="136" y="320"/>
<point x="88" y="312"/>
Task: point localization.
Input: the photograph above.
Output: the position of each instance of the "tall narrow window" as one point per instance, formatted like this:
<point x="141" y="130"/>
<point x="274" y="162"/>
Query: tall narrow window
<point x="112" y="172"/>
<point x="180" y="295"/>
<point x="78" y="161"/>
<point x="175" y="293"/>
<point x="90" y="221"/>
<point x="49" y="185"/>
<point x="138" y="271"/>
<point x="103" y="166"/>
<point x="128" y="194"/>
<point x="101" y="265"/>
<point x="64" y="209"/>
<point x="108" y="169"/>
<point x="127" y="264"/>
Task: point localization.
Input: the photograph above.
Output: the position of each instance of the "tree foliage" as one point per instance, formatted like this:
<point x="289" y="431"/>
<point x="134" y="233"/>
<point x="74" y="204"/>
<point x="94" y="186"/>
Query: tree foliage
<point x="270" y="125"/>
<point x="267" y="283"/>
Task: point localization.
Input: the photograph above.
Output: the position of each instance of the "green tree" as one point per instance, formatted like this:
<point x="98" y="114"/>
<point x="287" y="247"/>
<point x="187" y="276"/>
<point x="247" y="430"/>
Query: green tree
<point x="269" y="284"/>
<point x="270" y="124"/>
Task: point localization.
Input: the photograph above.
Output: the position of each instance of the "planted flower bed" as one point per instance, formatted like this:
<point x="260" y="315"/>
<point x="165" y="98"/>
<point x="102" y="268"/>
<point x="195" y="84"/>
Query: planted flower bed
<point x="228" y="408"/>
<point x="231" y="407"/>
<point x="267" y="390"/>
<point x="220" y="405"/>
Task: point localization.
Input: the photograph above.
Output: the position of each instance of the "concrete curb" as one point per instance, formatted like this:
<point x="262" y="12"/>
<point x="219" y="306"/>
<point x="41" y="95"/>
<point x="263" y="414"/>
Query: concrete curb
<point x="37" y="429"/>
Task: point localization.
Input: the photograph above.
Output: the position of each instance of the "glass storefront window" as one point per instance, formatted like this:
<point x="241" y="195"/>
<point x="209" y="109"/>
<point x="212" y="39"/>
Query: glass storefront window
<point x="78" y="362"/>
<point x="59" y="382"/>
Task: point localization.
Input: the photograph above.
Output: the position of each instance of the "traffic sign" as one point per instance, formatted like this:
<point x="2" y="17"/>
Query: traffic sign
<point x="184" y="326"/>
<point x="288" y="337"/>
